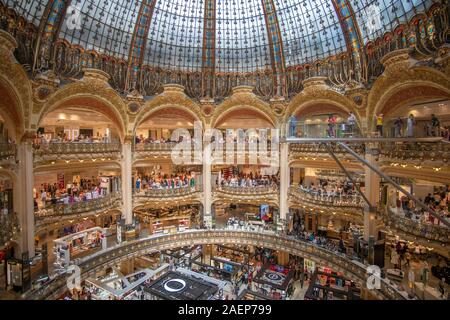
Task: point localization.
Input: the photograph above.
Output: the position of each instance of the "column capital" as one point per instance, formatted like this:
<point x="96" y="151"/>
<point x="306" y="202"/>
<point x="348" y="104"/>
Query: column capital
<point x="28" y="137"/>
<point x="7" y="41"/>
<point x="128" y="139"/>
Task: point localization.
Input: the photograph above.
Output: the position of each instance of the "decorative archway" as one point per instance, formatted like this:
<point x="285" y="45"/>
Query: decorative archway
<point x="243" y="99"/>
<point x="93" y="95"/>
<point x="401" y="84"/>
<point x="15" y="87"/>
<point x="320" y="96"/>
<point x="173" y="99"/>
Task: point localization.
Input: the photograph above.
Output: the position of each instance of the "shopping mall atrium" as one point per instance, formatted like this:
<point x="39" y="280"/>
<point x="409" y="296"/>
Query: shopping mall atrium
<point x="224" y="150"/>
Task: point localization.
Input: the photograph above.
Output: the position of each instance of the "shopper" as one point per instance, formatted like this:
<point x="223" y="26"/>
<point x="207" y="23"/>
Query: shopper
<point x="410" y="126"/>
<point x="435" y="126"/>
<point x="351" y="121"/>
<point x="398" y="125"/>
<point x="379" y="120"/>
<point x="138" y="184"/>
<point x="292" y="126"/>
<point x="331" y="126"/>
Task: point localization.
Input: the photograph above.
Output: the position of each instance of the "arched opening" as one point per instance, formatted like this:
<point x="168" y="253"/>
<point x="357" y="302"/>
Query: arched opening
<point x="160" y="125"/>
<point x="243" y="118"/>
<point x="10" y="118"/>
<point x="78" y="124"/>
<point x="322" y="119"/>
<point x="79" y="121"/>
<point x="422" y="102"/>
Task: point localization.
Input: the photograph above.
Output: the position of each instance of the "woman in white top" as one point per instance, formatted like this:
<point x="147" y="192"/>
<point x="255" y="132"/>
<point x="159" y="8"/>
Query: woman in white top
<point x="410" y="126"/>
<point x="43" y="198"/>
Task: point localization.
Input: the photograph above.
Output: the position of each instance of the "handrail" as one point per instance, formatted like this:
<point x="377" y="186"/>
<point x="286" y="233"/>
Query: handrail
<point x="418" y="229"/>
<point x="76" y="148"/>
<point x="258" y="190"/>
<point x="346" y="201"/>
<point x="7" y="151"/>
<point x="417" y="151"/>
<point x="168" y="192"/>
<point x="61" y="209"/>
<point x="340" y="262"/>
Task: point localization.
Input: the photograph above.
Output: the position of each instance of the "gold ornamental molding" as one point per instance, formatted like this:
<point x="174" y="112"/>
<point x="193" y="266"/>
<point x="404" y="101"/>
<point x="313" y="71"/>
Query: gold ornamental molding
<point x="173" y="97"/>
<point x="243" y="98"/>
<point x="93" y="93"/>
<point x="16" y="100"/>
<point x="317" y="92"/>
<point x="400" y="74"/>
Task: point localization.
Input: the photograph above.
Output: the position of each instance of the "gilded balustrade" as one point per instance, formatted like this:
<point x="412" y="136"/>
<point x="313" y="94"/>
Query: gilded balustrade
<point x="76" y="151"/>
<point x="7" y="151"/>
<point x="416" y="228"/>
<point x="111" y="256"/>
<point x="345" y="207"/>
<point x="416" y="151"/>
<point x="242" y="191"/>
<point x="168" y="192"/>
<point x="62" y="210"/>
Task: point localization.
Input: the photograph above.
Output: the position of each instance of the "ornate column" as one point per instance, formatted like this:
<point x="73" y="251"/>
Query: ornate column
<point x="284" y="180"/>
<point x="207" y="193"/>
<point x="126" y="167"/>
<point x="372" y="192"/>
<point x="24" y="193"/>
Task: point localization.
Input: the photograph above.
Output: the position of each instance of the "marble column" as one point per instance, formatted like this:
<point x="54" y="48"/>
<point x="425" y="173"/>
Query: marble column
<point x="24" y="204"/>
<point x="126" y="166"/>
<point x="207" y="194"/>
<point x="284" y="180"/>
<point x="372" y="192"/>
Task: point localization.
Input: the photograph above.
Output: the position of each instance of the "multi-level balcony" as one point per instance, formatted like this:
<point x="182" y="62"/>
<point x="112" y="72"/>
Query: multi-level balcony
<point x="163" y="150"/>
<point x="61" y="212"/>
<point x="166" y="195"/>
<point x="143" y="151"/>
<point x="414" y="230"/>
<point x="131" y="249"/>
<point x="344" y="206"/>
<point x="7" y="153"/>
<point x="255" y="194"/>
<point x="416" y="154"/>
<point x="75" y="152"/>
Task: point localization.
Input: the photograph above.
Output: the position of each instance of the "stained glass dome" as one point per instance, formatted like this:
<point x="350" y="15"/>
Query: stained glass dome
<point x="242" y="31"/>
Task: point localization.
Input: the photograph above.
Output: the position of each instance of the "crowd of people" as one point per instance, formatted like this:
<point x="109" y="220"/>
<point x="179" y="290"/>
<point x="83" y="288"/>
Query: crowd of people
<point x="439" y="202"/>
<point x="41" y="141"/>
<point x="406" y="128"/>
<point x="248" y="180"/>
<point x="141" y="139"/>
<point x="335" y="191"/>
<point x="52" y="194"/>
<point x="165" y="181"/>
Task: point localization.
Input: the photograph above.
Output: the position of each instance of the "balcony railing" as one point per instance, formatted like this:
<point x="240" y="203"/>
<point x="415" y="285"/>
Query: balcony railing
<point x="100" y="260"/>
<point x="416" y="151"/>
<point x="7" y="151"/>
<point x="415" y="228"/>
<point x="60" y="209"/>
<point x="320" y="149"/>
<point x="324" y="199"/>
<point x="167" y="193"/>
<point x="257" y="190"/>
<point x="165" y="146"/>
<point x="76" y="148"/>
